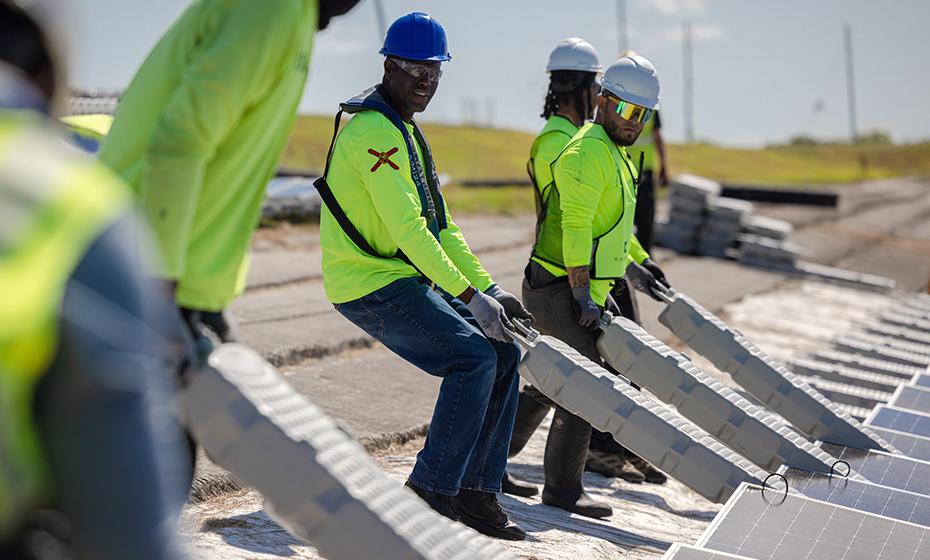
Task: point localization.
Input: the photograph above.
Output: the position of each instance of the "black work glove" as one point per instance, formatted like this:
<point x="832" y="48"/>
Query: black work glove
<point x="657" y="273"/>
<point x="590" y="312"/>
<point x="513" y="307"/>
<point x="648" y="278"/>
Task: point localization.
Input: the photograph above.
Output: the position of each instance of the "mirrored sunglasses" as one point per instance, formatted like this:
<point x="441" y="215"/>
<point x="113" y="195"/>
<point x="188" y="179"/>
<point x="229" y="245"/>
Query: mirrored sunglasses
<point x="417" y="70"/>
<point x="631" y="111"/>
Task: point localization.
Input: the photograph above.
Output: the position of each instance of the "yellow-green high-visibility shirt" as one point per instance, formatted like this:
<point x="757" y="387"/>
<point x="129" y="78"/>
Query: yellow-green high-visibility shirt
<point x="548" y="145"/>
<point x="582" y="173"/>
<point x="379" y="197"/>
<point x="199" y="132"/>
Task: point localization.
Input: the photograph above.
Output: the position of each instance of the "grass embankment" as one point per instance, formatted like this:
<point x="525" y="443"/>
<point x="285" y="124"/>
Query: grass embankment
<point x="479" y="153"/>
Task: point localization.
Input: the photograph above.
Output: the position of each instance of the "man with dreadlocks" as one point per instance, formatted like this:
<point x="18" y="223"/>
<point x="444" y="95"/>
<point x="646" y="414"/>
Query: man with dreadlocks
<point x="586" y="192"/>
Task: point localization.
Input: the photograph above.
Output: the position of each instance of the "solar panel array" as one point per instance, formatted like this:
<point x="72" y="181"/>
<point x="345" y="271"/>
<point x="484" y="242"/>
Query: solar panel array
<point x="863" y="496"/>
<point x="883" y="510"/>
<point x="886" y="469"/>
<point x="793" y="527"/>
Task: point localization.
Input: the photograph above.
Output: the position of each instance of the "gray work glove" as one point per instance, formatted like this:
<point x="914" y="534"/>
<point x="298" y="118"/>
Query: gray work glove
<point x="513" y="307"/>
<point x="490" y="315"/>
<point x="590" y="312"/>
<point x="648" y="278"/>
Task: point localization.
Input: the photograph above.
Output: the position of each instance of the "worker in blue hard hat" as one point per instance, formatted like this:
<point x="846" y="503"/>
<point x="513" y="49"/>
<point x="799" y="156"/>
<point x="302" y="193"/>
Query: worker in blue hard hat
<point x="396" y="265"/>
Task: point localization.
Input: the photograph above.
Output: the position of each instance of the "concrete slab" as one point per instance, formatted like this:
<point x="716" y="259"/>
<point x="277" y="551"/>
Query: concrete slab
<point x="372" y="391"/>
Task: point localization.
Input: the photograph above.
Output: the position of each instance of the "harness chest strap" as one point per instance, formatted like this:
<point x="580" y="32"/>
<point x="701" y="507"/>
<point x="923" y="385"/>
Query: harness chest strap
<point x="426" y="181"/>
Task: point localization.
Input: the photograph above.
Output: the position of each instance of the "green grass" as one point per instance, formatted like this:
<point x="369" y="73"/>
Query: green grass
<point x="480" y="153"/>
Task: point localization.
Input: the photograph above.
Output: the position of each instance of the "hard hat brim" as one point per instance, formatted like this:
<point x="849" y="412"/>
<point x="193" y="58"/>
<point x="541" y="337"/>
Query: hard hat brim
<point x="417" y="56"/>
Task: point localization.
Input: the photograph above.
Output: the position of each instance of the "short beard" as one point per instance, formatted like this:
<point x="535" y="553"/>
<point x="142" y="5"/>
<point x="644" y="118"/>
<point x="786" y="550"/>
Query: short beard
<point x="613" y="131"/>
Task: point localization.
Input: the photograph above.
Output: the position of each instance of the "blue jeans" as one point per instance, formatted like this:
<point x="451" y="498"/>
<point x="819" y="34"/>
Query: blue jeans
<point x="469" y="434"/>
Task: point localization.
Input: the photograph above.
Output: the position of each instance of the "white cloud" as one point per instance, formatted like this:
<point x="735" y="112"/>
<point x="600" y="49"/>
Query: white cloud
<point x="674" y="7"/>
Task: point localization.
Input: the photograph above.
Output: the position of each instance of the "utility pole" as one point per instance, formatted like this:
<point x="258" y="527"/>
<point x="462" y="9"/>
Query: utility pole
<point x="686" y="53"/>
<point x="379" y="14"/>
<point x="623" y="35"/>
<point x="850" y="85"/>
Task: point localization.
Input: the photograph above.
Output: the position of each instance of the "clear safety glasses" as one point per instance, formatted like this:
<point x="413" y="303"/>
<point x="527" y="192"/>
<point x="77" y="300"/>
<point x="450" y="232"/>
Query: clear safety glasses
<point x="418" y="70"/>
<point x="631" y="111"/>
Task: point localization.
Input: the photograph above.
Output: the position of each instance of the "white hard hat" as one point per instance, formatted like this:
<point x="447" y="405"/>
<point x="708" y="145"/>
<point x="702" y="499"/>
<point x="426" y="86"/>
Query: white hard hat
<point x="573" y="54"/>
<point x="633" y="78"/>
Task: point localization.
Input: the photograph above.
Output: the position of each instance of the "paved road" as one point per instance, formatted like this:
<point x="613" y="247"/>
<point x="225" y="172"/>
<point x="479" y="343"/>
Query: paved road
<point x="879" y="227"/>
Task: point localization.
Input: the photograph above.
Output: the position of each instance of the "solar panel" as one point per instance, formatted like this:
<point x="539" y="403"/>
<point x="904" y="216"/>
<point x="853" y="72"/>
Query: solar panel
<point x="896" y="343"/>
<point x="648" y="428"/>
<point x="844" y="374"/>
<point x="906" y="421"/>
<point x="858" y="361"/>
<point x="767" y="380"/>
<point x="680" y="551"/>
<point x="843" y="393"/>
<point x="886" y="469"/>
<point x="863" y="496"/>
<point x="902" y="333"/>
<point x="881" y="352"/>
<point x="922" y="380"/>
<point x="912" y="398"/>
<point x="799" y="528"/>
<point x="909" y="445"/>
<point x="748" y="429"/>
<point x="914" y="323"/>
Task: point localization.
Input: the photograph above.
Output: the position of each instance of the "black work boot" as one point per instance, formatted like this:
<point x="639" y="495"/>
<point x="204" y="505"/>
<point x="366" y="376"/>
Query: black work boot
<point x="612" y="465"/>
<point x="482" y="512"/>
<point x="530" y="413"/>
<point x="440" y="503"/>
<point x="512" y="486"/>
<point x="608" y="458"/>
<point x="566" y="450"/>
<point x="650" y="473"/>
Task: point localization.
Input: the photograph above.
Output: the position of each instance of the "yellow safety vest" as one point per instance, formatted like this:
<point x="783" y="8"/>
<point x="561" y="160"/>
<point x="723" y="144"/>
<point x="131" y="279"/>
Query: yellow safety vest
<point x="646" y="145"/>
<point x="54" y="203"/>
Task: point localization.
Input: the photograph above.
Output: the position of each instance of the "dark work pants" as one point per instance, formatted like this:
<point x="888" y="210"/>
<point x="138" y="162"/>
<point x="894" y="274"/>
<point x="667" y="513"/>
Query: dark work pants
<point x="646" y="210"/>
<point x="550" y="300"/>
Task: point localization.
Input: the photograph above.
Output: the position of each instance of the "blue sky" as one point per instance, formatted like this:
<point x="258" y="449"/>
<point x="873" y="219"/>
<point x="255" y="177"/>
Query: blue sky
<point x="761" y="66"/>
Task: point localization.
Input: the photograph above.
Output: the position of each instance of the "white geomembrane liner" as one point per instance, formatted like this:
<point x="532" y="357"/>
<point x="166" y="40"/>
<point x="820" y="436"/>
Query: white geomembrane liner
<point x="748" y="429"/>
<point x="317" y="482"/>
<point x="766" y="380"/>
<point x="648" y="428"/>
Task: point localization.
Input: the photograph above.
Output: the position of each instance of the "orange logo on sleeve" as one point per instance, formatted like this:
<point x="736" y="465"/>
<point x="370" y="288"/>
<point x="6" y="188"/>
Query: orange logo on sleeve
<point x="383" y="158"/>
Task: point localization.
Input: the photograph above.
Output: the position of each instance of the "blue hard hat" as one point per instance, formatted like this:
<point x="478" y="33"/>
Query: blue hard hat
<point x="416" y="36"/>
